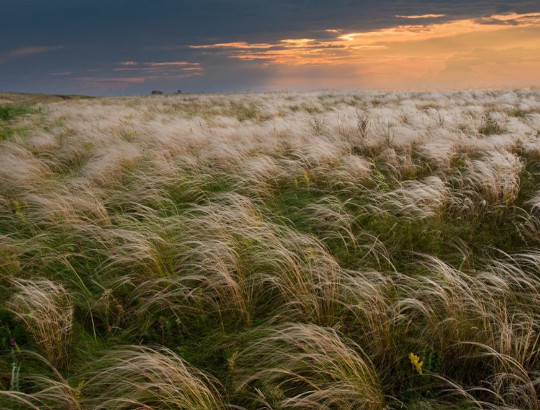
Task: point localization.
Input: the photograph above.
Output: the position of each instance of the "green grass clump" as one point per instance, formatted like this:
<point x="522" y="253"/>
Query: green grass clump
<point x="491" y="126"/>
<point x="10" y="113"/>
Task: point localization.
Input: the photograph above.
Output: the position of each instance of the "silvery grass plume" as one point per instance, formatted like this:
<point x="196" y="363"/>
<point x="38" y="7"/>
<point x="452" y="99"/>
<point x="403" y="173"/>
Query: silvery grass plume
<point x="46" y="309"/>
<point x="143" y="377"/>
<point x="309" y="366"/>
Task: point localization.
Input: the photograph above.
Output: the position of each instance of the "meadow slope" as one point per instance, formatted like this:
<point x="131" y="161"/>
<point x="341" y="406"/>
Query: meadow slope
<point x="325" y="250"/>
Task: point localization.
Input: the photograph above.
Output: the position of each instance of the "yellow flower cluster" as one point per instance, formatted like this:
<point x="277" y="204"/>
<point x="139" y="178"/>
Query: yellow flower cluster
<point x="415" y="360"/>
<point x="19" y="209"/>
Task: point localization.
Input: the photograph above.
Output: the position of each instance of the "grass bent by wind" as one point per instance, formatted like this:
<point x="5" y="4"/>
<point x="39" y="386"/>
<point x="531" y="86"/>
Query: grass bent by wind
<point x="269" y="251"/>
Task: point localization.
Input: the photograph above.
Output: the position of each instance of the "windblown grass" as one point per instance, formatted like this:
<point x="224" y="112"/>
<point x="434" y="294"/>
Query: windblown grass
<point x="271" y="251"/>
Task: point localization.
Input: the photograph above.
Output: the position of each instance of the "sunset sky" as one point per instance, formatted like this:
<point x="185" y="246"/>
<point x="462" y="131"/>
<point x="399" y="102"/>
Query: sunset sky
<point x="121" y="47"/>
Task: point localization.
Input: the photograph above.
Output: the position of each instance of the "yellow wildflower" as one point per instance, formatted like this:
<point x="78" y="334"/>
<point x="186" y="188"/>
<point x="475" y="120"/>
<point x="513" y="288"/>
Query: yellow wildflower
<point x="415" y="361"/>
<point x="77" y="390"/>
<point x="306" y="177"/>
<point x="232" y="360"/>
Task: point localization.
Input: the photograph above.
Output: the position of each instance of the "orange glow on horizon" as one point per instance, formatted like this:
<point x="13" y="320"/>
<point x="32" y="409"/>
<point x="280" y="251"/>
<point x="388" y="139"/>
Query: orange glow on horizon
<point x="501" y="50"/>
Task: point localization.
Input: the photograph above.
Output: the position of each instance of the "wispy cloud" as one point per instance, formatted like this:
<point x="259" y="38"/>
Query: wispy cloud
<point x="511" y="19"/>
<point x="27" y="51"/>
<point x="107" y="84"/>
<point x="421" y="16"/>
<point x="61" y="73"/>
<point x="160" y="69"/>
<point x="128" y="73"/>
<point x="236" y="45"/>
<point x="170" y="64"/>
<point x="117" y="80"/>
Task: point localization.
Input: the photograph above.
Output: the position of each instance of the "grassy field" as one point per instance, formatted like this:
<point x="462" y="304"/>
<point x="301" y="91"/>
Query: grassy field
<point x="270" y="251"/>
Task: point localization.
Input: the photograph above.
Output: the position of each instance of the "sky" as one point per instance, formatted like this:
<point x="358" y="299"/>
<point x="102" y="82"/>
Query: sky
<point x="131" y="47"/>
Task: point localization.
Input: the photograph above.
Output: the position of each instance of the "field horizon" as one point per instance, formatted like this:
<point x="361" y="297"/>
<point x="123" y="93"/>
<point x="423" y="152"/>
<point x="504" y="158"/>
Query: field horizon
<point x="270" y="250"/>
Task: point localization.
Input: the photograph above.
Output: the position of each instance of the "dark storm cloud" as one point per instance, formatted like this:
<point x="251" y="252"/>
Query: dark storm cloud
<point x="86" y="40"/>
